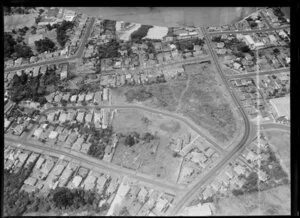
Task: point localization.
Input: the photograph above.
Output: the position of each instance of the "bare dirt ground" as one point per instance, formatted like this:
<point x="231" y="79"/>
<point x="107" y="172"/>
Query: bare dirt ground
<point x="275" y="201"/>
<point x="280" y="142"/>
<point x="154" y="158"/>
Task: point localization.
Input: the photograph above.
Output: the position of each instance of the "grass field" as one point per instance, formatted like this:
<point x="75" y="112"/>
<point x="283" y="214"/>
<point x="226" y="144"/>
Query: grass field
<point x="153" y="158"/>
<point x="275" y="201"/>
<point x="18" y="21"/>
<point x="281" y="144"/>
<point x="202" y="97"/>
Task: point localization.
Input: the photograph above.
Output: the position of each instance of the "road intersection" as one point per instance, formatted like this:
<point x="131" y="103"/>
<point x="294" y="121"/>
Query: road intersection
<point x="183" y="196"/>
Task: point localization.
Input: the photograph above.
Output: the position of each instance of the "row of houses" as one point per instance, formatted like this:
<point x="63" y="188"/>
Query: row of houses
<point x="97" y="97"/>
<point x="99" y="117"/>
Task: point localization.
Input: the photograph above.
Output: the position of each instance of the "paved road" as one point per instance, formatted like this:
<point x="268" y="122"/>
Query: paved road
<point x="191" y="193"/>
<point x="247" y="31"/>
<point x="96" y="163"/>
<point x="151" y="110"/>
<point x="260" y="73"/>
<point x="159" y="67"/>
<point x="267" y="126"/>
<point x="60" y="60"/>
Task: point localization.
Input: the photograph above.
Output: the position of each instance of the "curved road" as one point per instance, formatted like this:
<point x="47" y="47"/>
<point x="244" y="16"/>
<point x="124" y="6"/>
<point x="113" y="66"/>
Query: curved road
<point x="151" y="110"/>
<point x="194" y="190"/>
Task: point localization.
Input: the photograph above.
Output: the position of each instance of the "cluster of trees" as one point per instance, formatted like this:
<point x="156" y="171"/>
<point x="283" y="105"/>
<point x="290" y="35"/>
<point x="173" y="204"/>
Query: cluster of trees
<point x="109" y="50"/>
<point x="140" y="33"/>
<point x="9" y="44"/>
<point x="16" y="10"/>
<point x="61" y="31"/>
<point x="183" y="45"/>
<point x="251" y="22"/>
<point x="100" y="139"/>
<point x="27" y="87"/>
<point x="109" y="25"/>
<point x="45" y="45"/>
<point x="13" y="49"/>
<point x="134" y="138"/>
<point x="17" y="203"/>
<point x="139" y="94"/>
<point x="278" y="13"/>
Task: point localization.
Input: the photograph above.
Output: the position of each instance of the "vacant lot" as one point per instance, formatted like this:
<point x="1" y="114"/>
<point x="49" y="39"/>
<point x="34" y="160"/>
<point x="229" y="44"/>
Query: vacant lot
<point x="154" y="158"/>
<point x="18" y="21"/>
<point x="275" y="201"/>
<point x="281" y="144"/>
<point x="207" y="103"/>
<point x="202" y="97"/>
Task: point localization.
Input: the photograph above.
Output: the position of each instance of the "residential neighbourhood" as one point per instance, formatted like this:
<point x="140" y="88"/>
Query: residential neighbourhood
<point x="107" y="117"/>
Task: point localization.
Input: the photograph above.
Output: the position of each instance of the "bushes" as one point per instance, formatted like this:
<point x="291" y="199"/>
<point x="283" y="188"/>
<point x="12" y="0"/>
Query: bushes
<point x="45" y="45"/>
<point x="61" y="30"/>
<point x="138" y="95"/>
<point x="9" y="44"/>
<point x="109" y="50"/>
<point x="23" y="51"/>
<point x="140" y="33"/>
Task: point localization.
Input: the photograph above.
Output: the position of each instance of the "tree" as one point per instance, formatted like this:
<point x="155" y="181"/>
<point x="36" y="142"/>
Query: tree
<point x="9" y="44"/>
<point x="23" y="51"/>
<point x="46" y="44"/>
<point x="129" y="140"/>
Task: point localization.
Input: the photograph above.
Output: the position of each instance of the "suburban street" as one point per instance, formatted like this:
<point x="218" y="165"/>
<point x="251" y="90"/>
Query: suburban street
<point x="260" y="73"/>
<point x="184" y="193"/>
<point x="186" y="198"/>
<point x="269" y="126"/>
<point x="151" y="110"/>
<point x="95" y="163"/>
<point x="59" y="59"/>
<point x="247" y="31"/>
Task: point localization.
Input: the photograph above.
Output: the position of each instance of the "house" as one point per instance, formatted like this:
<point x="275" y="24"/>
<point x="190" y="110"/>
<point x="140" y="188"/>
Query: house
<point x="53" y="135"/>
<point x="71" y="115"/>
<point x="101" y="181"/>
<point x="85" y="147"/>
<point x="76" y="181"/>
<point x="97" y="97"/>
<point x="18" y="61"/>
<point x="58" y="97"/>
<point x="239" y="169"/>
<point x="142" y="194"/>
<point x="198" y="157"/>
<point x="89" y="182"/>
<point x="89" y="117"/>
<point x="209" y="152"/>
<point x="220" y="44"/>
<point x="63" y="117"/>
<point x="66" y="97"/>
<point x="105" y="94"/>
<point x="38" y="132"/>
<point x="89" y="97"/>
<point x="161" y="204"/>
<point x="6" y="123"/>
<point x="30" y="181"/>
<point x="81" y="97"/>
<point x="236" y="65"/>
<point x="80" y="116"/>
<point x="78" y="143"/>
<point x="207" y="193"/>
<point x="73" y="98"/>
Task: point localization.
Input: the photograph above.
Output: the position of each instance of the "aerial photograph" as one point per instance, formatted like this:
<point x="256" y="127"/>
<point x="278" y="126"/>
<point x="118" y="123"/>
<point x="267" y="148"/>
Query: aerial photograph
<point x="146" y="111"/>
